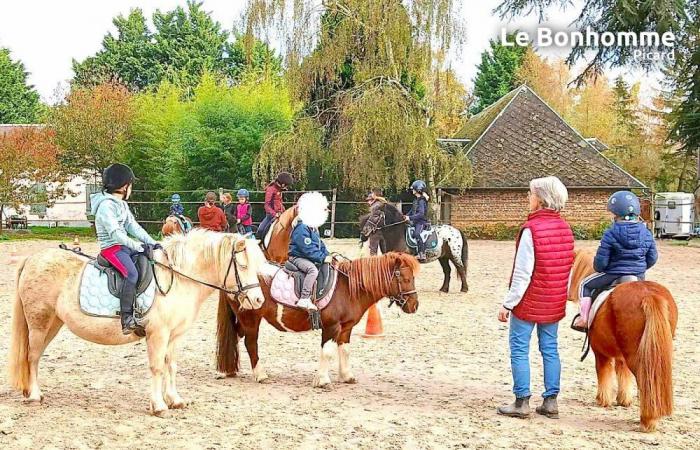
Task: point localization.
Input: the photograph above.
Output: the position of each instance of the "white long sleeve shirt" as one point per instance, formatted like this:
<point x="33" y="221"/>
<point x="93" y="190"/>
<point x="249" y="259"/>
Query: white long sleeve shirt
<point x="522" y="273"/>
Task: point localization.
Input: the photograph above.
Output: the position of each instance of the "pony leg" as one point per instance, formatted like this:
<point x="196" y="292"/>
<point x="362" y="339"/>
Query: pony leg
<point x="604" y="369"/>
<point x="624" y="383"/>
<point x="157" y="343"/>
<point x="346" y="375"/>
<point x="447" y="272"/>
<point x="251" y="344"/>
<point x="172" y="397"/>
<point x="39" y="339"/>
<point x="329" y="338"/>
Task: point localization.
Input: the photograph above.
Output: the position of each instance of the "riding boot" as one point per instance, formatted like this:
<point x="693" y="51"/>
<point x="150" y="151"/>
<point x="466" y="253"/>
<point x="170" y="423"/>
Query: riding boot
<point x="581" y="322"/>
<point x="519" y="408"/>
<point x="126" y="300"/>
<point x="549" y="407"/>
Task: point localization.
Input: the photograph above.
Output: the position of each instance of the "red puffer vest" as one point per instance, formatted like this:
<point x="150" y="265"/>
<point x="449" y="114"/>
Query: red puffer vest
<point x="545" y="298"/>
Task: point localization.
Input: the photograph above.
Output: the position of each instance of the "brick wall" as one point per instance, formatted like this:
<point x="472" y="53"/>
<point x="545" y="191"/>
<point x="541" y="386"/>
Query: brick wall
<point x="480" y="207"/>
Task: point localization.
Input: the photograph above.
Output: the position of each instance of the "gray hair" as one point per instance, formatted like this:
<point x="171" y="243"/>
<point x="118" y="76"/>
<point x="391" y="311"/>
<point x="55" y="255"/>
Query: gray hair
<point x="551" y="192"/>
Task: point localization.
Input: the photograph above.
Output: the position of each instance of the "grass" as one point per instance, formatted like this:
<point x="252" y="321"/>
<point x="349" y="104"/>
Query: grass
<point x="57" y="234"/>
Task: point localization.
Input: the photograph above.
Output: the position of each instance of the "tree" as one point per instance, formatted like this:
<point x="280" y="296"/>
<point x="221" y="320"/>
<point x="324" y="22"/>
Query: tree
<point x="29" y="157"/>
<point x="549" y="80"/>
<point x="93" y="126"/>
<point x="19" y="102"/>
<point x="497" y="73"/>
<point x="184" y="44"/>
<point x="361" y="69"/>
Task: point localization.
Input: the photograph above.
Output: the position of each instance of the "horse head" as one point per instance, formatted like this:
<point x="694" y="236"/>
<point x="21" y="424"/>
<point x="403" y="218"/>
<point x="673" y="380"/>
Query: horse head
<point x="406" y="267"/>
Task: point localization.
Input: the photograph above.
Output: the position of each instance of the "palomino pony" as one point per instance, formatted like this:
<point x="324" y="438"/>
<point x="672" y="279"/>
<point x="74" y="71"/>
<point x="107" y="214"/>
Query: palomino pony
<point x="172" y="225"/>
<point x="361" y="283"/>
<point x="393" y="232"/>
<point x="48" y="283"/>
<point x="632" y="334"/>
<point x="278" y="248"/>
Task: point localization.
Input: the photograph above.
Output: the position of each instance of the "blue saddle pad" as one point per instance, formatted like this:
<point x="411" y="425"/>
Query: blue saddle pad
<point x="429" y="237"/>
<point x="96" y="300"/>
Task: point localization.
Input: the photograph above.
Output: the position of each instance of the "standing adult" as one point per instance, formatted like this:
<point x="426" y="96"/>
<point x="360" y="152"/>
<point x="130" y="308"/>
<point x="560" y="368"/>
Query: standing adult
<point x="538" y="293"/>
<point x="273" y="202"/>
<point x="376" y="201"/>
<point x="229" y="209"/>
<point x="211" y="216"/>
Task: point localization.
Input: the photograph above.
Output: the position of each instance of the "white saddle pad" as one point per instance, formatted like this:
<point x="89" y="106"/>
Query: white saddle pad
<point x="96" y="300"/>
<point x="597" y="304"/>
<point x="268" y="236"/>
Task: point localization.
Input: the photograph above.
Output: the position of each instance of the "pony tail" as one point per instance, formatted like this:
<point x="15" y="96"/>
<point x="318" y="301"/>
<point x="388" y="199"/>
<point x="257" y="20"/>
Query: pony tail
<point x="654" y="362"/>
<point x="18" y="360"/>
<point x="227" y="336"/>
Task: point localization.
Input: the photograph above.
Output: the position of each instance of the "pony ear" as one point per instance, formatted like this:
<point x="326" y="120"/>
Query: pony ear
<point x="239" y="245"/>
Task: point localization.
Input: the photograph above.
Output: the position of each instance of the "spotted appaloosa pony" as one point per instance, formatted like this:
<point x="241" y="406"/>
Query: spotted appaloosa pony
<point x="455" y="248"/>
<point x="632" y="335"/>
<point x="48" y="283"/>
<point x="172" y="226"/>
<point x="361" y="283"/>
<point x="278" y="249"/>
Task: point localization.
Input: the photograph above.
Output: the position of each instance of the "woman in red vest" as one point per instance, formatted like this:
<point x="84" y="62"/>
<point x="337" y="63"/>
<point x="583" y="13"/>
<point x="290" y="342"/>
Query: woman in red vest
<point x="538" y="293"/>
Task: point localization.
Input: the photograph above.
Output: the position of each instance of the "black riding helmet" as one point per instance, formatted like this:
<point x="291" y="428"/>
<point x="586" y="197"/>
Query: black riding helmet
<point x="116" y="176"/>
<point x="285" y="178"/>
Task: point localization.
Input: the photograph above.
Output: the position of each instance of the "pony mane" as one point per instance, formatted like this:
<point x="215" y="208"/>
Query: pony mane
<point x="200" y="248"/>
<point x="582" y="267"/>
<point x="392" y="213"/>
<point x="375" y="275"/>
<point x="285" y="220"/>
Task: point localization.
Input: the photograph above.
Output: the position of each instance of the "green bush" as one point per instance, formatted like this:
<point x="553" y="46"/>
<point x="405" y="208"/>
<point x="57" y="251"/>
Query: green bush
<point x="503" y="232"/>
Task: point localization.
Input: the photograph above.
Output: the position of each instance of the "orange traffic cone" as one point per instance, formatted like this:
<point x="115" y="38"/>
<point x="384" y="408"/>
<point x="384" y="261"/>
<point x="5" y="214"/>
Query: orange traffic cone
<point x="374" y="327"/>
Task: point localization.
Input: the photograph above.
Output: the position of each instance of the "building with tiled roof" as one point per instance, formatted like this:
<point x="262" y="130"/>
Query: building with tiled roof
<point x="519" y="138"/>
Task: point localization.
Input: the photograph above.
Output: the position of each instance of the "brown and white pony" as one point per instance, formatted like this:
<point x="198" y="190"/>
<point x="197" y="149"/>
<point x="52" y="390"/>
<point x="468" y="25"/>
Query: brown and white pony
<point x="47" y="295"/>
<point x="632" y="335"/>
<point x="172" y="226"/>
<point x="278" y="249"/>
<point x="361" y="283"/>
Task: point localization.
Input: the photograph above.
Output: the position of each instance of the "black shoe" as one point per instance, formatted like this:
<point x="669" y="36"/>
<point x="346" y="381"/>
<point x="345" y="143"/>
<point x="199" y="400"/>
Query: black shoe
<point x="519" y="408"/>
<point x="128" y="323"/>
<point x="549" y="407"/>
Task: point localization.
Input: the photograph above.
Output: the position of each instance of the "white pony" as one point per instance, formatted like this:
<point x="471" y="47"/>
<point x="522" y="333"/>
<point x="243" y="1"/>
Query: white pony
<point x="48" y="284"/>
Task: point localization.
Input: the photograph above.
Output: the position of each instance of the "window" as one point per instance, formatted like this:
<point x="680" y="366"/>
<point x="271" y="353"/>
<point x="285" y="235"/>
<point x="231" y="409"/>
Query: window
<point x="671" y="204"/>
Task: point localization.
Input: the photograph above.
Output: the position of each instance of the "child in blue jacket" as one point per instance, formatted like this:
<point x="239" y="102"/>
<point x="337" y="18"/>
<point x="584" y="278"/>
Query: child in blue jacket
<point x="627" y="248"/>
<point x="306" y="249"/>
<point x="418" y="216"/>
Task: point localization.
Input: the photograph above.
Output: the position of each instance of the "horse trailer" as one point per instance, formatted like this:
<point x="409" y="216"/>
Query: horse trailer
<point x="674" y="215"/>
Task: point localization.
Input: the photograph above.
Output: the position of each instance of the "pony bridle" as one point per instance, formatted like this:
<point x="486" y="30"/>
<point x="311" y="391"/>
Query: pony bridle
<point x="241" y="288"/>
<point x="401" y="298"/>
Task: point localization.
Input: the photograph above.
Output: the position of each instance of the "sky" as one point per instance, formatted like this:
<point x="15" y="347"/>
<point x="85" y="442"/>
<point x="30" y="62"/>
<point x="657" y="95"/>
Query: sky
<point x="47" y="35"/>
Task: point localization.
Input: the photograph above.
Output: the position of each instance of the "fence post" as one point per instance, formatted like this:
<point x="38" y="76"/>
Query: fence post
<point x="439" y="205"/>
<point x="333" y="204"/>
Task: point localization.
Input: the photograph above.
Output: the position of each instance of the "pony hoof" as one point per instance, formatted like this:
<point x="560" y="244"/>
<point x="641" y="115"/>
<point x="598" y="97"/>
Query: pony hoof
<point x="323" y="384"/>
<point x="625" y="403"/>
<point x="464" y="289"/>
<point x="179" y="405"/>
<point x="444" y="291"/>
<point x="351" y="380"/>
<point x="648" y="427"/>
<point x="33" y="401"/>
<point x="161" y="413"/>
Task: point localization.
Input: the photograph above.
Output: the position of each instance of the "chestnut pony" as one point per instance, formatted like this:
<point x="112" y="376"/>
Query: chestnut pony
<point x="632" y="334"/>
<point x="281" y="235"/>
<point x="361" y="283"/>
<point x="172" y="226"/>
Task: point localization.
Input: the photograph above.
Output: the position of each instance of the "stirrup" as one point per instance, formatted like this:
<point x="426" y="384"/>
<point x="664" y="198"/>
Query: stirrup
<point x="315" y="319"/>
<point x="577" y="328"/>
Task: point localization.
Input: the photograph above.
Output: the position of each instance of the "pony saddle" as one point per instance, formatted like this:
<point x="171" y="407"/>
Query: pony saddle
<point x="429" y="236"/>
<point x="619" y="281"/>
<point x="599" y="296"/>
<point x="101" y="285"/>
<point x="287" y="283"/>
<point x="115" y="280"/>
<point x="183" y="222"/>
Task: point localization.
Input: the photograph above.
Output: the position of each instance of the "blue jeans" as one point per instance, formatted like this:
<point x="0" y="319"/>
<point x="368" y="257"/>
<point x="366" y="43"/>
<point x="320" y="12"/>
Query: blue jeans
<point x="519" y="337"/>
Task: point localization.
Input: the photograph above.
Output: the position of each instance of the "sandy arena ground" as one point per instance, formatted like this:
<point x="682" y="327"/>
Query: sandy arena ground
<point x="434" y="381"/>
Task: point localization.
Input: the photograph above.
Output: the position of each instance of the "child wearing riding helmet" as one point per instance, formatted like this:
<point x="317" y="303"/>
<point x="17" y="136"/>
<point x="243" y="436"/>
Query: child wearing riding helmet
<point x="273" y="202"/>
<point x="114" y="223"/>
<point x="244" y="212"/>
<point x="306" y="249"/>
<point x="627" y="248"/>
<point x="178" y="210"/>
<point x="418" y="215"/>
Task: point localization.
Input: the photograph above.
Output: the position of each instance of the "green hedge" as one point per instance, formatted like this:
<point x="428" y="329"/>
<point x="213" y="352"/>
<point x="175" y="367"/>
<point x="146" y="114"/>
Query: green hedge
<point x="503" y="232"/>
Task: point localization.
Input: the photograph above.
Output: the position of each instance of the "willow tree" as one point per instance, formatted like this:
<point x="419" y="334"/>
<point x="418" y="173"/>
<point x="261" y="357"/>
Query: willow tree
<point x="360" y="68"/>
